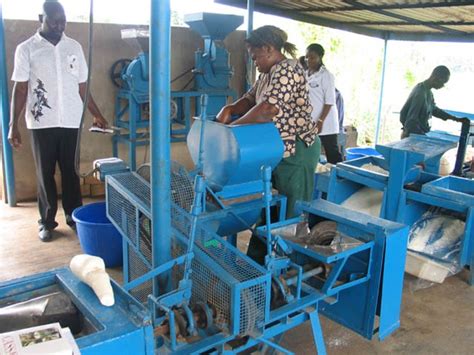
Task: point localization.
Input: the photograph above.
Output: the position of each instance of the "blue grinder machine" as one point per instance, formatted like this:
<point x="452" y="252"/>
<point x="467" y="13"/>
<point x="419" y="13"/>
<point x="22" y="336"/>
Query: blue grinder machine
<point x="211" y="74"/>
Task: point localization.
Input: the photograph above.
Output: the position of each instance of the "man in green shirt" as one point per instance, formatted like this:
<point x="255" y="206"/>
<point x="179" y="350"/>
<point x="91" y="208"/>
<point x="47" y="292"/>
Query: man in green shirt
<point x="420" y="105"/>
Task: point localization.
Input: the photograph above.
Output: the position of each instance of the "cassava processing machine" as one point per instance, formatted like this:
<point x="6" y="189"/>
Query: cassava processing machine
<point x="405" y="187"/>
<point x="211" y="74"/>
<point x="400" y="165"/>
<point x="222" y="301"/>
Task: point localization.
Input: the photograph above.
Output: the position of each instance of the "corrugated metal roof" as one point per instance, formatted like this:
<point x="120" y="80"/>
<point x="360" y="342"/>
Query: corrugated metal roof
<point x="439" y="20"/>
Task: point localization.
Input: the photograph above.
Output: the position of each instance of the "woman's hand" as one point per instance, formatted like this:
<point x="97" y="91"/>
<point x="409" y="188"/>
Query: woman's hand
<point x="225" y="115"/>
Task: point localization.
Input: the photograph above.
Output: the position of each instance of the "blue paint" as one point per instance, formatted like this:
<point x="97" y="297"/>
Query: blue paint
<point x="359" y="152"/>
<point x="160" y="38"/>
<point x="451" y="188"/>
<point x="9" y="172"/>
<point x="450" y="193"/>
<point x="400" y="160"/>
<point x="461" y="114"/>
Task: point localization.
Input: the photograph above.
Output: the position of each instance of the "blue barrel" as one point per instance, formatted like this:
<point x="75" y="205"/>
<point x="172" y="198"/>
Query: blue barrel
<point x="359" y="152"/>
<point x="97" y="234"/>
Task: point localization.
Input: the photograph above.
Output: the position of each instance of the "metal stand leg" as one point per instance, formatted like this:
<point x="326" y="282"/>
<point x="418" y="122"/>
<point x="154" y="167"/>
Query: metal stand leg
<point x="317" y="333"/>
<point x="134" y="115"/>
<point x="273" y="346"/>
<point x="271" y="350"/>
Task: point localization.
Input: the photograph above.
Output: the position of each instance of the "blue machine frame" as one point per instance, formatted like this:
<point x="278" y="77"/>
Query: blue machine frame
<point x="130" y="118"/>
<point x="374" y="268"/>
<point x="373" y="272"/>
<point x="400" y="159"/>
<point x="451" y="194"/>
<point x="402" y="204"/>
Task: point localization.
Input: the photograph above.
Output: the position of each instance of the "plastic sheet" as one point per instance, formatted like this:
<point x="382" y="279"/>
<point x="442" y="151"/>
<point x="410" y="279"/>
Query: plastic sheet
<point x="50" y="308"/>
<point x="434" y="246"/>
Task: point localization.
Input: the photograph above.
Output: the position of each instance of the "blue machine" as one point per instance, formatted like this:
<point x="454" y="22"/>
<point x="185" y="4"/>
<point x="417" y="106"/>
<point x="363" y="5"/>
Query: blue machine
<point x="211" y="69"/>
<point x="452" y="195"/>
<point x="225" y="296"/>
<point x="363" y="274"/>
<point x="411" y="185"/>
<point x="230" y="158"/>
<point x="211" y="73"/>
<point x="124" y="328"/>
<point x="401" y="160"/>
<point x="363" y="280"/>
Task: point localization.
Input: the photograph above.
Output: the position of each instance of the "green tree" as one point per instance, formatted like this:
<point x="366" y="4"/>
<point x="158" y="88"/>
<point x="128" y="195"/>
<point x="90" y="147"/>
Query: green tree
<point x="356" y="62"/>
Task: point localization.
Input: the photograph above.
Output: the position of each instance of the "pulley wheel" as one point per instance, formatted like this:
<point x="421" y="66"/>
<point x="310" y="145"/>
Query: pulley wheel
<point x="116" y="72"/>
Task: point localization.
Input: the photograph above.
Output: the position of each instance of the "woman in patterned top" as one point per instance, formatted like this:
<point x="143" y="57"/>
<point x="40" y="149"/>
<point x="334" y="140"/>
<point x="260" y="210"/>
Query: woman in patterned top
<point x="280" y="95"/>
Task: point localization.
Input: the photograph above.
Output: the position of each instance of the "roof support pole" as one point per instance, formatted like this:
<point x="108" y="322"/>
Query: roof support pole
<point x="9" y="173"/>
<point x="160" y="38"/>
<point x="250" y="68"/>
<point x="382" y="84"/>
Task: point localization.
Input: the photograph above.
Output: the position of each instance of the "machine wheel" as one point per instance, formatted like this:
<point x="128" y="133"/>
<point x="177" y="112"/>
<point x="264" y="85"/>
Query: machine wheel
<point x="116" y="71"/>
<point x="173" y="109"/>
<point x="322" y="233"/>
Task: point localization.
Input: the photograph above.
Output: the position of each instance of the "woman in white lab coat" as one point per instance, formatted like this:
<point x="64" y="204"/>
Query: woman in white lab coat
<point x="322" y="94"/>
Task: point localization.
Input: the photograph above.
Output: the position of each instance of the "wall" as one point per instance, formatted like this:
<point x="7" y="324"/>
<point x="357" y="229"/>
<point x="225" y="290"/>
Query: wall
<point x="107" y="48"/>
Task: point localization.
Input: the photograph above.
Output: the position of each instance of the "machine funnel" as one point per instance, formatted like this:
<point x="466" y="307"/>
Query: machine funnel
<point x="214" y="26"/>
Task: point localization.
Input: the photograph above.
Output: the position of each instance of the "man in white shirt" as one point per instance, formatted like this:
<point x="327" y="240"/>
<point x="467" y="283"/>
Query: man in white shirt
<point x="322" y="94"/>
<point x="50" y="74"/>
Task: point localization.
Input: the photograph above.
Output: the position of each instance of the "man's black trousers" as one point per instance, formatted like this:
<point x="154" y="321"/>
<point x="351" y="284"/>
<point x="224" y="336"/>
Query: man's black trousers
<point x="51" y="146"/>
<point x="329" y="142"/>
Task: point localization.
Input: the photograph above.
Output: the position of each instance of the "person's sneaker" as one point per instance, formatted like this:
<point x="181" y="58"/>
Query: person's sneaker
<point x="70" y="222"/>
<point x="45" y="234"/>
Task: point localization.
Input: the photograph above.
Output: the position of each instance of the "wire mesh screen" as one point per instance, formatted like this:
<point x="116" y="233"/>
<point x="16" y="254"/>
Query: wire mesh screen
<point x="136" y="268"/>
<point x="182" y="191"/>
<point x="252" y="301"/>
<point x="214" y="281"/>
<point x="220" y="272"/>
<point x="122" y="212"/>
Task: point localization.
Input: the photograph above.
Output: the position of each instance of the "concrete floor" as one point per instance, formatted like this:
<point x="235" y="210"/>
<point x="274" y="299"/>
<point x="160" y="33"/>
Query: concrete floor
<point x="434" y="320"/>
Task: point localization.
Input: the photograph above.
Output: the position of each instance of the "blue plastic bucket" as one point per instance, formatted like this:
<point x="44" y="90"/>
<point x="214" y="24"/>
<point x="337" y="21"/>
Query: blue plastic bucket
<point x="359" y="152"/>
<point x="97" y="235"/>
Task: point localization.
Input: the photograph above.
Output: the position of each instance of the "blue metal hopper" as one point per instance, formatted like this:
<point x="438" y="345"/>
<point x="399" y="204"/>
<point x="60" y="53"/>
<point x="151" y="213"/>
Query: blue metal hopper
<point x="214" y="26"/>
<point x="232" y="156"/>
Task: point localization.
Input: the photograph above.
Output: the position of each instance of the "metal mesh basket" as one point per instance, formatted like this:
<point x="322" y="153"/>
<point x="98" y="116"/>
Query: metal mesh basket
<point x="237" y="288"/>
